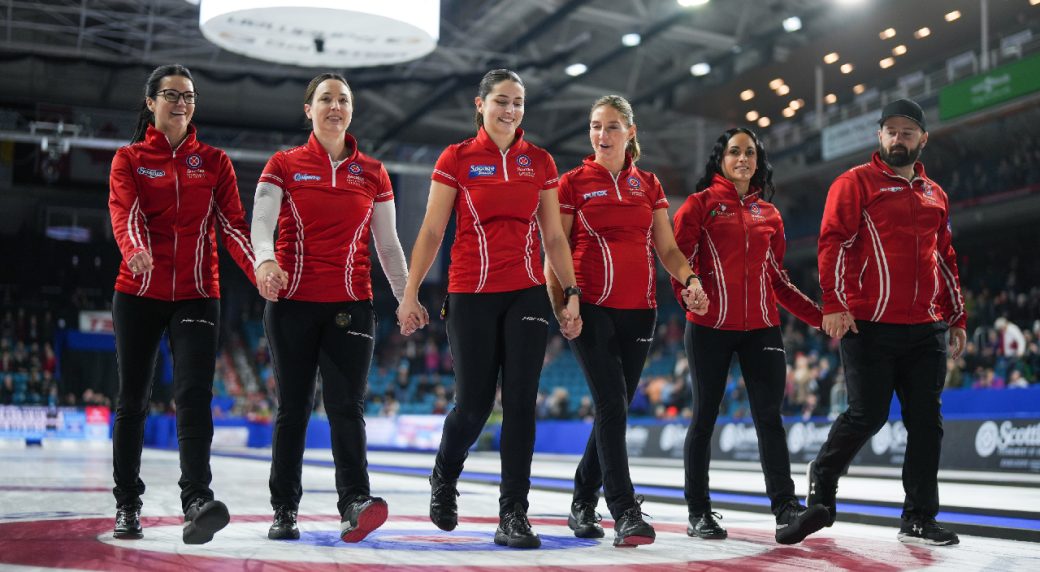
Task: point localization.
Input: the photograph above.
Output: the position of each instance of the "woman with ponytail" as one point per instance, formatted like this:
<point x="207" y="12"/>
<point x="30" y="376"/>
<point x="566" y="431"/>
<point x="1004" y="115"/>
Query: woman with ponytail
<point x="169" y="192"/>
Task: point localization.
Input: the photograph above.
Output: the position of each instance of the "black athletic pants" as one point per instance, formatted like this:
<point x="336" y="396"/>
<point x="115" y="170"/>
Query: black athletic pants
<point x="612" y="349"/>
<point x="492" y="336"/>
<point x="763" y="365"/>
<point x="335" y="337"/>
<point x="193" y="327"/>
<point x="909" y="360"/>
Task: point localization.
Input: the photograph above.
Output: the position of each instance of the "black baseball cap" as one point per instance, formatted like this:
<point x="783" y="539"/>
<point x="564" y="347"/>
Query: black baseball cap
<point x="904" y="108"/>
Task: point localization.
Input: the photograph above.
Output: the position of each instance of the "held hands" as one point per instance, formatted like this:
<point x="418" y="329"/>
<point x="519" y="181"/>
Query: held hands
<point x="958" y="337"/>
<point x="140" y="263"/>
<point x="695" y="299"/>
<point x="836" y="325"/>
<point x="271" y="279"/>
<point x="570" y="318"/>
<point x="411" y="315"/>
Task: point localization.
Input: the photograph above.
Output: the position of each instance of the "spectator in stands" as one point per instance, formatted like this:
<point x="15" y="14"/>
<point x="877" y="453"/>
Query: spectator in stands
<point x="169" y="188"/>
<point x="7" y="390"/>
<point x="324" y="197"/>
<point x="503" y="190"/>
<point x="612" y="211"/>
<point x="1012" y="341"/>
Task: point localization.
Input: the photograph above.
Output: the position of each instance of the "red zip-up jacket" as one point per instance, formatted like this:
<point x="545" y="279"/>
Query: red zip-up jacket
<point x="885" y="248"/>
<point x="737" y="247"/>
<point x="167" y="202"/>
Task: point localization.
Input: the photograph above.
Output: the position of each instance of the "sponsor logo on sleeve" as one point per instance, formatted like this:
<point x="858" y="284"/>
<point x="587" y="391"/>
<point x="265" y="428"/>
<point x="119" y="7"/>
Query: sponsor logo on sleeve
<point x="305" y="177"/>
<point x="894" y="189"/>
<point x="151" y="173"/>
<point x="594" y="194"/>
<point x="482" y="171"/>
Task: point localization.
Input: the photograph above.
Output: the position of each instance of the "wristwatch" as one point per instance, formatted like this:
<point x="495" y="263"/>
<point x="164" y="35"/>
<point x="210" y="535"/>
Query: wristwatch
<point x="571" y="291"/>
<point x="691" y="278"/>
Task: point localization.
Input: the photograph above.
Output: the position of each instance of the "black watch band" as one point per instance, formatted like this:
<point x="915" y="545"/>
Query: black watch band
<point x="571" y="291"/>
<point x="691" y="278"/>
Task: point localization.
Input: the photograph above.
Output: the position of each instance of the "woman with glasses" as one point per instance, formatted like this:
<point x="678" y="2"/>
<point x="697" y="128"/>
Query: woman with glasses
<point x="734" y="238"/>
<point x="502" y="190"/>
<point x="613" y="212"/>
<point x="168" y="194"/>
<point x="327" y="198"/>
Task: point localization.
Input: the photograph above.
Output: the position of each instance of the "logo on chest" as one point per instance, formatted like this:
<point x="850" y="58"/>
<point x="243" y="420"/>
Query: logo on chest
<point x="305" y="177"/>
<point x="482" y="171"/>
<point x="151" y="173"/>
<point x="892" y="189"/>
<point x="595" y="194"/>
<point x="721" y="210"/>
<point x="756" y="211"/>
<point x="523" y="166"/>
<point x="194" y="163"/>
<point x="355" y="173"/>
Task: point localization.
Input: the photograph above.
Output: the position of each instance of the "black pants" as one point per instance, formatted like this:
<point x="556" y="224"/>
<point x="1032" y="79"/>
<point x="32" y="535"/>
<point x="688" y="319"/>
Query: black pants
<point x="335" y="338"/>
<point x="193" y="327"/>
<point x="763" y="365"/>
<point x="911" y="361"/>
<point x="502" y="334"/>
<point x="612" y="350"/>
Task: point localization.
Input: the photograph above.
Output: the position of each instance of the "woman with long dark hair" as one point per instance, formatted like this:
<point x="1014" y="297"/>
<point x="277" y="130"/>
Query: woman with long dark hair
<point x="168" y="194"/>
<point x="613" y="211"/>
<point x="326" y="198"/>
<point x="734" y="238"/>
<point x="502" y="190"/>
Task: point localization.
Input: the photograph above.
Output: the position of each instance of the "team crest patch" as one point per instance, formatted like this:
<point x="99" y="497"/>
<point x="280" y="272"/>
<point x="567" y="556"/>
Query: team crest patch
<point x="482" y="171"/>
<point x="523" y="166"/>
<point x="523" y="161"/>
<point x="755" y="209"/>
<point x="354" y="169"/>
<point x="633" y="182"/>
<point x="194" y="161"/>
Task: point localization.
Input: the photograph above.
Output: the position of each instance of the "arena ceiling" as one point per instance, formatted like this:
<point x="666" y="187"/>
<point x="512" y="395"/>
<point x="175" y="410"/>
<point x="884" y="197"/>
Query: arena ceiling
<point x="96" y="53"/>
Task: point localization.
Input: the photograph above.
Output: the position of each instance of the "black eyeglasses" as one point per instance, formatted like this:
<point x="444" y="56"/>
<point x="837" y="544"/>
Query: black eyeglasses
<point x="172" y="95"/>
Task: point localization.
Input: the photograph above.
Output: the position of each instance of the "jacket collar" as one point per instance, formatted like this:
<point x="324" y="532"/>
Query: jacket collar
<point x="316" y="147"/>
<point x="155" y="138"/>
<point x="485" y="140"/>
<point x="727" y="187"/>
<point x="880" y="165"/>
<point x="626" y="170"/>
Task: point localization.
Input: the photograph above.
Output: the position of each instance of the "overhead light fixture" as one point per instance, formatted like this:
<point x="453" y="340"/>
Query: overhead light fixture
<point x="956" y="14"/>
<point x="631" y="40"/>
<point x="774" y="84"/>
<point x="859" y="88"/>
<point x="763" y="122"/>
<point x="899" y="50"/>
<point x="922" y="33"/>
<point x="831" y="58"/>
<point x="792" y="24"/>
<point x="691" y="3"/>
<point x="887" y="63"/>
<point x="751" y="115"/>
<point x="574" y="70"/>
<point x="887" y="33"/>
<point x="747" y="95"/>
<point x="788" y="112"/>
<point x="700" y="69"/>
<point x="796" y="104"/>
<point x="783" y="89"/>
<point x="846" y="68"/>
<point x="329" y="34"/>
<point x="1034" y="2"/>
<point x="831" y="99"/>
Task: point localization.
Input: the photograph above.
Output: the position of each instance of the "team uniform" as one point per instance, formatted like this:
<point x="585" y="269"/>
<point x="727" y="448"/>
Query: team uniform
<point x="886" y="256"/>
<point x="737" y="247"/>
<point x="497" y="311"/>
<point x="169" y="202"/>
<point x="613" y="253"/>
<point x="325" y="211"/>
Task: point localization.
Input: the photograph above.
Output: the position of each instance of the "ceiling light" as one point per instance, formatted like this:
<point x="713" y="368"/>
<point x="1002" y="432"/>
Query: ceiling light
<point x="1034" y="2"/>
<point x="751" y="115"/>
<point x="951" y="16"/>
<point x="831" y="58"/>
<point x="796" y="104"/>
<point x="700" y="69"/>
<point x="691" y="3"/>
<point x="859" y="88"/>
<point x="922" y="33"/>
<point x="574" y="70"/>
<point x="774" y="84"/>
<point x="763" y="122"/>
<point x="887" y="63"/>
<point x="899" y="50"/>
<point x="631" y="40"/>
<point x="746" y="95"/>
<point x="788" y="112"/>
<point x="887" y="33"/>
<point x="831" y="98"/>
<point x="792" y="24"/>
<point x="783" y="90"/>
<point x="846" y="68"/>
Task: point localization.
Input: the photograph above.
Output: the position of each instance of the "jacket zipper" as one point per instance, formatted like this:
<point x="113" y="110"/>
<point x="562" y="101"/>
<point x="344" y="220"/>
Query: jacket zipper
<point x="917" y="250"/>
<point x="176" y="213"/>
<point x="505" y="170"/>
<point x="743" y="224"/>
<point x="616" y="188"/>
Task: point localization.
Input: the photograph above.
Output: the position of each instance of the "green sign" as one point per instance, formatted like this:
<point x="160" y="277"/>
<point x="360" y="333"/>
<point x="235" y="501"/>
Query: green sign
<point x="1001" y="84"/>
